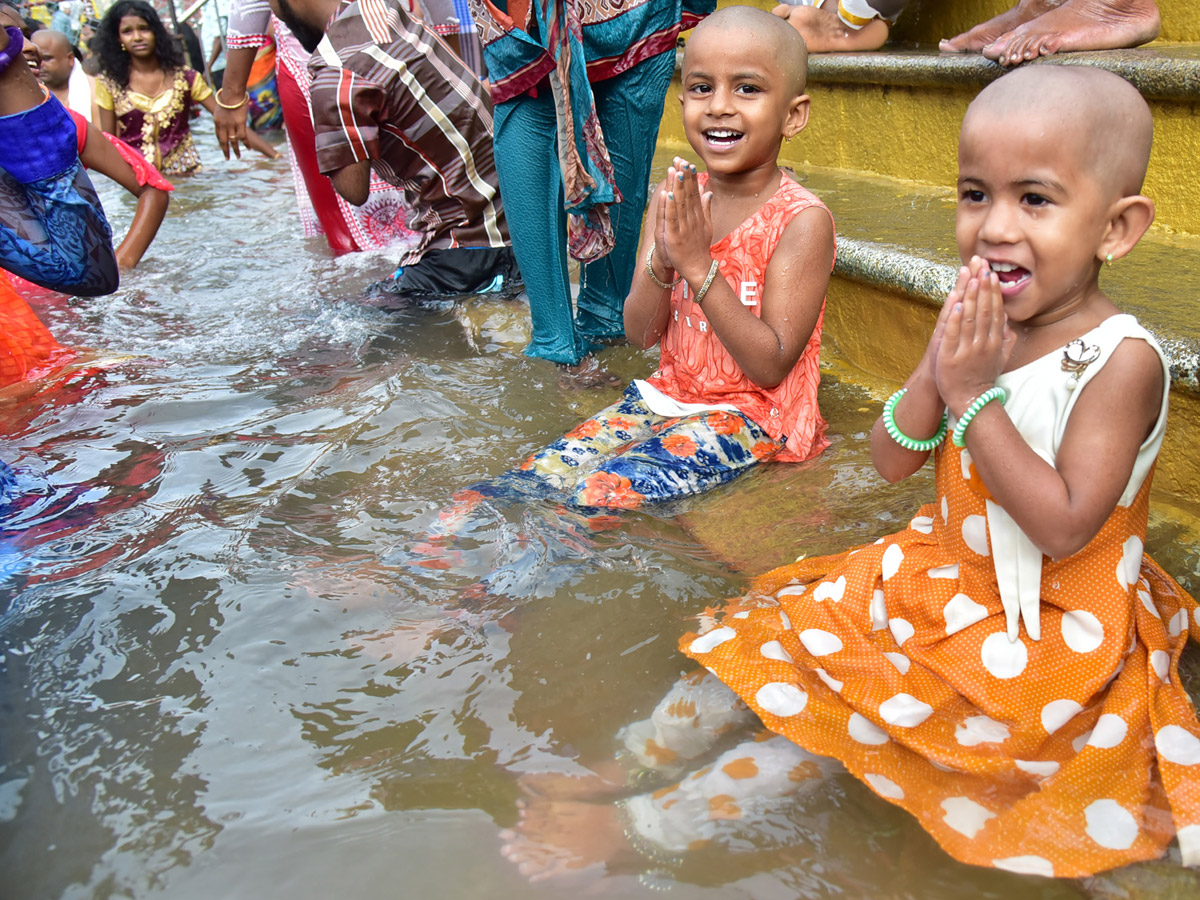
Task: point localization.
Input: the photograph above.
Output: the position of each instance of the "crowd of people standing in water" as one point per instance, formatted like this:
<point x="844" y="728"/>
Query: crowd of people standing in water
<point x="1005" y="667"/>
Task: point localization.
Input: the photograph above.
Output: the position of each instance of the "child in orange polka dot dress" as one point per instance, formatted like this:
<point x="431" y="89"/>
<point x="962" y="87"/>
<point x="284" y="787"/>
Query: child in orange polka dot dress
<point x="1005" y="668"/>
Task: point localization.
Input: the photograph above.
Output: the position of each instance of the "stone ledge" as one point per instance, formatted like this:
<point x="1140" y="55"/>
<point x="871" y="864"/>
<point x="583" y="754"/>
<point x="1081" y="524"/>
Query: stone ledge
<point x="889" y="268"/>
<point x="1160" y="71"/>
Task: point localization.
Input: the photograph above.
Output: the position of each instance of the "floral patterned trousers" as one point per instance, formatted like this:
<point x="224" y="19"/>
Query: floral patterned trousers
<point x="628" y="455"/>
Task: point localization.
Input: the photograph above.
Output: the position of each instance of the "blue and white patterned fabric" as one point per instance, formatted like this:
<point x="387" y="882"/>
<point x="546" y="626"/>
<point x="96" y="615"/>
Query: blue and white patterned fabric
<point x="52" y="228"/>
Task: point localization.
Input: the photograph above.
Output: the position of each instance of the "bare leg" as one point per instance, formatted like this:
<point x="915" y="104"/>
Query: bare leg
<point x="561" y="837"/>
<point x="557" y="838"/>
<point x="1079" y="25"/>
<point x="824" y="32"/>
<point x="981" y="35"/>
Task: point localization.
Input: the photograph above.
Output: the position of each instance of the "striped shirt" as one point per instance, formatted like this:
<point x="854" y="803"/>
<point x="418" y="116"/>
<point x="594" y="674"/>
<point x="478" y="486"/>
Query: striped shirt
<point x="387" y="89"/>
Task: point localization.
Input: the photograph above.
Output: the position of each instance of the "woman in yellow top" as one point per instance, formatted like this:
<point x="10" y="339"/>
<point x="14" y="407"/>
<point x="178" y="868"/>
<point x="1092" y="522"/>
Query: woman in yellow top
<point x="145" y="92"/>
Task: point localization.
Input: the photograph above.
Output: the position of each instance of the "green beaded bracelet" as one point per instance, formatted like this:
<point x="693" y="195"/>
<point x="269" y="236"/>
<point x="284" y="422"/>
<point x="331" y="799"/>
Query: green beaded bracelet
<point x="894" y="432"/>
<point x="960" y="427"/>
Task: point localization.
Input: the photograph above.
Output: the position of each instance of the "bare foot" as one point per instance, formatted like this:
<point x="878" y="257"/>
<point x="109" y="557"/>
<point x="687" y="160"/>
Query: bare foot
<point x="984" y="33"/>
<point x="587" y="373"/>
<point x="557" y="838"/>
<point x="1079" y="25"/>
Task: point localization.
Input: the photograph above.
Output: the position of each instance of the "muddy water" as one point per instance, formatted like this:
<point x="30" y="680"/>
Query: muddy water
<point x="224" y="675"/>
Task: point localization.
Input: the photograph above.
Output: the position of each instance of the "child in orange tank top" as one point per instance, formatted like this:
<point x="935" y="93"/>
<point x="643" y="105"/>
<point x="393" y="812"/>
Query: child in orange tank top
<point x="737" y="262"/>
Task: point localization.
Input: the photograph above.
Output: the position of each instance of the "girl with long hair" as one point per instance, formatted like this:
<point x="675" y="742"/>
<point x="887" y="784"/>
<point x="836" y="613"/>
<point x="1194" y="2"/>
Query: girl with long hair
<point x="146" y="92"/>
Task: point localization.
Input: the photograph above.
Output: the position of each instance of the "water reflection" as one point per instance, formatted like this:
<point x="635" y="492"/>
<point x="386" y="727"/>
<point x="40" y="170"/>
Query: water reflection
<point x="221" y="665"/>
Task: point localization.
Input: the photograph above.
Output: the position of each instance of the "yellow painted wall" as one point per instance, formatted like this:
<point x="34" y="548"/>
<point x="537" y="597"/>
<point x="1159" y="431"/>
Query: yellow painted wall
<point x="912" y="133"/>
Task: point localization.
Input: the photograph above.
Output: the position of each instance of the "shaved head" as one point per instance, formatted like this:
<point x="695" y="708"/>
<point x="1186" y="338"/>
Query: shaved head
<point x="58" y="58"/>
<point x="779" y="40"/>
<point x="52" y="41"/>
<point x="1100" y="118"/>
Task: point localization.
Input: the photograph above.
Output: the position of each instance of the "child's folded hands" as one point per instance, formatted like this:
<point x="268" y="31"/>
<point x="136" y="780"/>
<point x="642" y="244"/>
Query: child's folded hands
<point x="685" y="222"/>
<point x="975" y="341"/>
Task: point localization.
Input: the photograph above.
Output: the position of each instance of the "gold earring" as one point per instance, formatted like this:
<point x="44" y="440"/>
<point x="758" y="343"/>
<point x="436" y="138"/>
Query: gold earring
<point x="787" y="138"/>
<point x="1108" y="260"/>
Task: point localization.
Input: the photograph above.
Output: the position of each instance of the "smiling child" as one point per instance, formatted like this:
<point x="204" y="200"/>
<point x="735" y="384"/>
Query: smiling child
<point x="736" y="265"/>
<point x="1006" y="667"/>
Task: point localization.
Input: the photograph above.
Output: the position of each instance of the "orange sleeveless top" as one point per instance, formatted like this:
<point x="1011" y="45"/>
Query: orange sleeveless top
<point x="695" y="367"/>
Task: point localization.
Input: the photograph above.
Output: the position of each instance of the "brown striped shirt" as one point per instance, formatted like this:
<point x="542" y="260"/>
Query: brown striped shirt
<point x="387" y="89"/>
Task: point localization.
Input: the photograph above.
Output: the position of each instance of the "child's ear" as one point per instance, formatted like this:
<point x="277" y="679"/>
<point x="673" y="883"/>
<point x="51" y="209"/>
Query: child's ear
<point x="797" y="116"/>
<point x="1128" y="220"/>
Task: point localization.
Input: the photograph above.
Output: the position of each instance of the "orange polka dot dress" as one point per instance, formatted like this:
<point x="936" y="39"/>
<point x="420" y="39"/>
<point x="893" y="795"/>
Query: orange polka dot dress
<point x="1064" y="747"/>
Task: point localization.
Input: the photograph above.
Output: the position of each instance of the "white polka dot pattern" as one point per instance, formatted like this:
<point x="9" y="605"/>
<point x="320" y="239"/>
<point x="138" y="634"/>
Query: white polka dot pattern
<point x="1058" y="713"/>
<point x="1082" y="631"/>
<point x="1177" y="745"/>
<point x="819" y="642"/>
<point x="893" y="556"/>
<point x="1004" y="658"/>
<point x="782" y="699"/>
<point x="978" y="730"/>
<point x="1026" y="865"/>
<point x="706" y="643"/>
<point x="962" y="612"/>
<point x="775" y="650"/>
<point x="1110" y="825"/>
<point x="865" y="731"/>
<point x="884" y="786"/>
<point x="901" y="630"/>
<point x="830" y="590"/>
<point x="974" y="532"/>
<point x="966" y="816"/>
<point x="1109" y="732"/>
<point x="904" y="711"/>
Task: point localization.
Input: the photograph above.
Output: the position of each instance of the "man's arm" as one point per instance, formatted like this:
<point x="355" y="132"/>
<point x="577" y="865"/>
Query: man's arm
<point x="346" y="110"/>
<point x="353" y="182"/>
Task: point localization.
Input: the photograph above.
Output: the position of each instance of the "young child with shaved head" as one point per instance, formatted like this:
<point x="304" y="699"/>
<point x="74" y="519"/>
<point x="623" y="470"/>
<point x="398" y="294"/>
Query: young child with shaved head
<point x="735" y="265"/>
<point x="1004" y="668"/>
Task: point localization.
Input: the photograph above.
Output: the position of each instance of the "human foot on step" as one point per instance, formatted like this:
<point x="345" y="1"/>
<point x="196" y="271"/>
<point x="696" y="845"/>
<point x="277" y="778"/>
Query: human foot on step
<point x="974" y="40"/>
<point x="1078" y="25"/>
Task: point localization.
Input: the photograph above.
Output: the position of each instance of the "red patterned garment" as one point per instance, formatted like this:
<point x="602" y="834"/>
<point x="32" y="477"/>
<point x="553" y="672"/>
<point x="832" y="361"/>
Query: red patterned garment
<point x="695" y="366"/>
